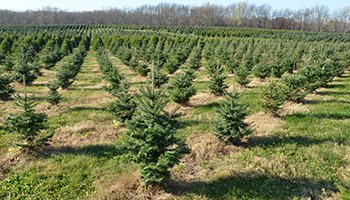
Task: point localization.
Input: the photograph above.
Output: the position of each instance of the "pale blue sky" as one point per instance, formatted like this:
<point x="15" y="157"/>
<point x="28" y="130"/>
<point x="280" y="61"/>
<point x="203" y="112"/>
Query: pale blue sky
<point x="83" y="5"/>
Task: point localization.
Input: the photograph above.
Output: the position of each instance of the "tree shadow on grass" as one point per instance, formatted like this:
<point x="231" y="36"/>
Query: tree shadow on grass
<point x="96" y="150"/>
<point x="335" y="116"/>
<point x="298" y="140"/>
<point x="254" y="185"/>
<point x="80" y="108"/>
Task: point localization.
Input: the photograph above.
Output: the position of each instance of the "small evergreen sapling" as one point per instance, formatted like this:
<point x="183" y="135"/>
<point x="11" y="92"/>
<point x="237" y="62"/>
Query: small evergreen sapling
<point x="217" y="84"/>
<point x="9" y="63"/>
<point x="231" y="126"/>
<point x="6" y="90"/>
<point x="142" y="69"/>
<point x="183" y="88"/>
<point x="23" y="68"/>
<point x="242" y="76"/>
<point x="150" y="138"/>
<point x="124" y="106"/>
<point x="159" y="78"/>
<point x="295" y="87"/>
<point x="27" y="124"/>
<point x="53" y="97"/>
<point x="272" y="96"/>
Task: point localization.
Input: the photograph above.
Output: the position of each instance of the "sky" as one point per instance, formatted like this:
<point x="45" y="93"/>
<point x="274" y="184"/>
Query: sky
<point x="83" y="5"/>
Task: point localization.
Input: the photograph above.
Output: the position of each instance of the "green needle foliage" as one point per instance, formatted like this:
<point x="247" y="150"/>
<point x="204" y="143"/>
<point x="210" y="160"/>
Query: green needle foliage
<point x="231" y="126"/>
<point x="124" y="106"/>
<point x="159" y="78"/>
<point x="242" y="76"/>
<point x="194" y="61"/>
<point x="53" y="97"/>
<point x="6" y="90"/>
<point x="9" y="63"/>
<point x="110" y="72"/>
<point x="142" y="69"/>
<point x="272" y="96"/>
<point x="27" y="124"/>
<point x="262" y="70"/>
<point x="70" y="69"/>
<point x="216" y="84"/>
<point x="183" y="88"/>
<point x="150" y="138"/>
<point x="295" y="87"/>
<point x="23" y="68"/>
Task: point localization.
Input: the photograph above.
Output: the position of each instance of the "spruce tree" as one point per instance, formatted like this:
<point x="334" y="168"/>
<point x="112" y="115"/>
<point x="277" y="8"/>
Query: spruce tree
<point x="6" y="90"/>
<point x="150" y="138"/>
<point x="110" y="72"/>
<point x="242" y="76"/>
<point x="53" y="97"/>
<point x="231" y="65"/>
<point x="27" y="124"/>
<point x="142" y="69"/>
<point x="9" y="63"/>
<point x="183" y="88"/>
<point x="216" y="83"/>
<point x="159" y="78"/>
<point x="295" y="87"/>
<point x="194" y="61"/>
<point x="124" y="106"/>
<point x="23" y="68"/>
<point x="231" y="126"/>
<point x="262" y="70"/>
<point x="171" y="65"/>
<point x="272" y="96"/>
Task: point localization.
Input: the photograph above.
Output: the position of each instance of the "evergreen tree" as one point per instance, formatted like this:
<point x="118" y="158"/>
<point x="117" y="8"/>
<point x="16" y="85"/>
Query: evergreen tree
<point x="142" y="69"/>
<point x="216" y="84"/>
<point x="48" y="58"/>
<point x="278" y="69"/>
<point x="37" y="67"/>
<point x="231" y="65"/>
<point x="262" y="70"/>
<point x="53" y="97"/>
<point x="312" y="74"/>
<point x="212" y="65"/>
<point x="110" y="72"/>
<point x="208" y="51"/>
<point x="9" y="63"/>
<point x="2" y="57"/>
<point x="27" y="124"/>
<point x="242" y="76"/>
<point x="6" y="90"/>
<point x="231" y="126"/>
<point x="272" y="96"/>
<point x="159" y="78"/>
<point x="194" y="61"/>
<point x="70" y="68"/>
<point x="22" y="68"/>
<point x="183" y="88"/>
<point x="124" y="106"/>
<point x="295" y="87"/>
<point x="171" y="65"/>
<point x="150" y="138"/>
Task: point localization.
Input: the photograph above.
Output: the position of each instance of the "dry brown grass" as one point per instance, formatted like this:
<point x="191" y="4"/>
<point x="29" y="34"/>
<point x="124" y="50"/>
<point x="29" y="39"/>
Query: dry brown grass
<point x="83" y="133"/>
<point x="201" y="99"/>
<point x="127" y="186"/>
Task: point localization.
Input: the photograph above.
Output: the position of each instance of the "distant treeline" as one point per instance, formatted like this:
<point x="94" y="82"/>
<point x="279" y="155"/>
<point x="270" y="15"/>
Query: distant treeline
<point x="243" y="14"/>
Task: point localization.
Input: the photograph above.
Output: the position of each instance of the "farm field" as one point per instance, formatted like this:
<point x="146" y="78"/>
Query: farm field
<point x="298" y="149"/>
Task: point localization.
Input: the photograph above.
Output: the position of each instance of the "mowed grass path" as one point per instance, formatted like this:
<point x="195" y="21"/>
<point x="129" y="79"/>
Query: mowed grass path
<point x="301" y="156"/>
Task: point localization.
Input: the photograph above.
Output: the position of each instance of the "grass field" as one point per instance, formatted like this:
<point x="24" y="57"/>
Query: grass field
<point x="299" y="154"/>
